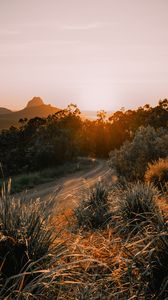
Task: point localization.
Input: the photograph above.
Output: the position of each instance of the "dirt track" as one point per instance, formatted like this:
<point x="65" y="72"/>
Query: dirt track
<point x="67" y="190"/>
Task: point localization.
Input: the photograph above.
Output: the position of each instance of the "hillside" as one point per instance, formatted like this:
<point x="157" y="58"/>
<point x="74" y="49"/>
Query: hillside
<point x="34" y="108"/>
<point x="4" y="110"/>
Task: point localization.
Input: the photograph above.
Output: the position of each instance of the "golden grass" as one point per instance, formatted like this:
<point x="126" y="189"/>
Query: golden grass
<point x="105" y="253"/>
<point x="100" y="264"/>
<point x="157" y="173"/>
<point x="100" y="252"/>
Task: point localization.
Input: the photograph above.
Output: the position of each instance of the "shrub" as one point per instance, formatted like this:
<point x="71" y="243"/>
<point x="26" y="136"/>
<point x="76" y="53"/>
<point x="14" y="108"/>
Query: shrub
<point x="131" y="160"/>
<point x="28" y="221"/>
<point x="27" y="249"/>
<point x="94" y="212"/>
<point x="157" y="173"/>
<point x="137" y="205"/>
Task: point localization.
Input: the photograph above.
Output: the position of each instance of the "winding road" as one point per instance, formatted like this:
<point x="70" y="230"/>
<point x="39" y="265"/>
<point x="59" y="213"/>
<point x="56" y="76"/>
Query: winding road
<point x="68" y="190"/>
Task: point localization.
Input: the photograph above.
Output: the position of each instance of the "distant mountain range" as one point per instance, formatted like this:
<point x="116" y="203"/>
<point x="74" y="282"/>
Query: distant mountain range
<point x="35" y="108"/>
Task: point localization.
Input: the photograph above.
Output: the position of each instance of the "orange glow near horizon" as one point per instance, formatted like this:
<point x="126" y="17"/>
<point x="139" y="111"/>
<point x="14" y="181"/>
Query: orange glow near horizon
<point x="98" y="54"/>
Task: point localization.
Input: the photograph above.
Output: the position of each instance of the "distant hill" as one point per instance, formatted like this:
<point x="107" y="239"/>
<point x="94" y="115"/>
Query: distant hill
<point x="4" y="110"/>
<point x="34" y="108"/>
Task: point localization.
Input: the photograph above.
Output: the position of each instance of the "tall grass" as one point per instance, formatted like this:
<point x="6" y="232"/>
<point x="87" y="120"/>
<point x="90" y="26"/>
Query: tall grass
<point x="28" y="247"/>
<point x="147" y="261"/>
<point x="94" y="212"/>
<point x="157" y="173"/>
<point x="37" y="261"/>
<point x="27" y="221"/>
<point x="138" y="207"/>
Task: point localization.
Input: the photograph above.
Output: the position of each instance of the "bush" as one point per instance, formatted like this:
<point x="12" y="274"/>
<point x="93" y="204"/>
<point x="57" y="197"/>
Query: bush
<point x="27" y="220"/>
<point x="157" y="173"/>
<point x="94" y="212"/>
<point x="27" y="249"/>
<point x="137" y="206"/>
<point x="131" y="160"/>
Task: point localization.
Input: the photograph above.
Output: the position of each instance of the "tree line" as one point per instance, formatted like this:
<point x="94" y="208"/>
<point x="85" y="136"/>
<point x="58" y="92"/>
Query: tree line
<point x="47" y="142"/>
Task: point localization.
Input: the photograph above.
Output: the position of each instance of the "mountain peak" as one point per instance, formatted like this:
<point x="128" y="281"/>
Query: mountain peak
<point x="36" y="101"/>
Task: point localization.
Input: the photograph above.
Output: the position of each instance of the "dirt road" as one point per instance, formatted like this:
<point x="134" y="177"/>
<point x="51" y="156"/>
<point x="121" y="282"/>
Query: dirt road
<point x="68" y="190"/>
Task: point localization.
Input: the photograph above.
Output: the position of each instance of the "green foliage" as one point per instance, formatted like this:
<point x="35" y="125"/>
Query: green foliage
<point x="157" y="173"/>
<point x="131" y="160"/>
<point x="94" y="212"/>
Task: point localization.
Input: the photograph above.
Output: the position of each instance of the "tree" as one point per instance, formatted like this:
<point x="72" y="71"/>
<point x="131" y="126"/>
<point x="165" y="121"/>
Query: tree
<point x="101" y="116"/>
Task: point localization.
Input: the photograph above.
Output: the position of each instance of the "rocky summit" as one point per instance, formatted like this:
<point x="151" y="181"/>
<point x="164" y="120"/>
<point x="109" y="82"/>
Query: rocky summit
<point x="36" y="101"/>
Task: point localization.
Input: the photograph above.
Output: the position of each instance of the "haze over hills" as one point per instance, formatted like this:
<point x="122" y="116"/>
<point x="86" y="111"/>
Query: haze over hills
<point x="34" y="108"/>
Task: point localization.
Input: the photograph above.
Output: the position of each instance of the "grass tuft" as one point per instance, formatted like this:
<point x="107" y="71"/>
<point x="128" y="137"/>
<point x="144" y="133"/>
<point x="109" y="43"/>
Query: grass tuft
<point x="157" y="173"/>
<point x="94" y="212"/>
<point x="137" y="206"/>
<point x="28" y="247"/>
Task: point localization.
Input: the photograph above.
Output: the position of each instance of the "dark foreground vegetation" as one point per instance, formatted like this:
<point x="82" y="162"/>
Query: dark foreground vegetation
<point x="114" y="243"/>
<point x="47" y="142"/>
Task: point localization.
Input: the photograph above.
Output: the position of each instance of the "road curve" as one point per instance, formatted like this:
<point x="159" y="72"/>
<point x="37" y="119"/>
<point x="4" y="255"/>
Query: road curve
<point x="68" y="190"/>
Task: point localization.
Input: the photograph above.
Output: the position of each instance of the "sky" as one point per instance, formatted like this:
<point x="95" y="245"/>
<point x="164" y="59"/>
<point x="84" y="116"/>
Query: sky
<point x="98" y="54"/>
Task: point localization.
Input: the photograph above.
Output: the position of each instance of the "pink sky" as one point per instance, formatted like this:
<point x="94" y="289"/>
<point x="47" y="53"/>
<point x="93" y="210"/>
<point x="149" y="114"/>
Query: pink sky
<point x="99" y="54"/>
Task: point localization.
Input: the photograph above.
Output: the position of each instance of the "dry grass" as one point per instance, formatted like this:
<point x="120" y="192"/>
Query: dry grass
<point x="98" y="258"/>
<point x="119" y="267"/>
<point x="157" y="173"/>
<point x="101" y="264"/>
<point x="93" y="211"/>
